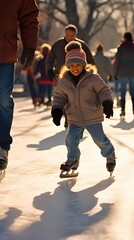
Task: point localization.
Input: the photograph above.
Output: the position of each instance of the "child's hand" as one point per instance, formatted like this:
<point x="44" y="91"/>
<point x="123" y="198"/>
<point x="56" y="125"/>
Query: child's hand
<point x="56" y="114"/>
<point x="108" y="108"/>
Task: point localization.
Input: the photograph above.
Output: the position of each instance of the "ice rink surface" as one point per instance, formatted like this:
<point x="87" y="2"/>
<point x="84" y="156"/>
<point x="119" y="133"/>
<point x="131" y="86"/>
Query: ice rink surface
<point x="37" y="205"/>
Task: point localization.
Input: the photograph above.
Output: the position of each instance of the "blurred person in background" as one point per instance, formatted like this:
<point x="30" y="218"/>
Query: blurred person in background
<point x="116" y="88"/>
<point x="14" y="14"/>
<point x="32" y="80"/>
<point x="105" y="70"/>
<point x="124" y="69"/>
<point x="56" y="57"/>
<point x="45" y="85"/>
<point x="103" y="64"/>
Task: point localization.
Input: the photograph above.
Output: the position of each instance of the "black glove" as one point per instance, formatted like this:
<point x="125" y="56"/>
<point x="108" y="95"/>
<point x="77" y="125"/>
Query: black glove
<point x="51" y="74"/>
<point x="27" y="57"/>
<point x="56" y="114"/>
<point x="108" y="108"/>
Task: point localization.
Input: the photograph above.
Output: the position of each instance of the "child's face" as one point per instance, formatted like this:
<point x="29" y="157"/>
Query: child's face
<point x="76" y="68"/>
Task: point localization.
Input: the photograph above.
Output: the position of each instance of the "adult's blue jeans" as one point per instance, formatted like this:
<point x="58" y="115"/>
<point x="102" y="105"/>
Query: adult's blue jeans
<point x="124" y="81"/>
<point x="75" y="134"/>
<point x="6" y="103"/>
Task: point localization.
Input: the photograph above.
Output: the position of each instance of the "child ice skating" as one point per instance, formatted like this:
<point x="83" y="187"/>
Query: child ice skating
<point x="85" y="97"/>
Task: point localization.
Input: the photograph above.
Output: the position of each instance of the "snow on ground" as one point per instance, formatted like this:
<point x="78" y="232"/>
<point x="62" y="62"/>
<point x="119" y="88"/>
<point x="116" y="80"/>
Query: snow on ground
<point x="37" y="204"/>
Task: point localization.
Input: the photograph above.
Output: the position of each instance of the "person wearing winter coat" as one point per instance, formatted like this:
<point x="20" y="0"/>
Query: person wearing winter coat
<point x="45" y="85"/>
<point x="32" y="81"/>
<point x="22" y="14"/>
<point x="103" y="64"/>
<point x="85" y="97"/>
<point x="56" y="57"/>
<point x="124" y="69"/>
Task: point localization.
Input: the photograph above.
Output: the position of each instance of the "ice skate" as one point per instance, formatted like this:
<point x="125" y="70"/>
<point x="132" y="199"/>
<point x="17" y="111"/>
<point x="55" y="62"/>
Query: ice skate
<point x="122" y="115"/>
<point x="48" y="103"/>
<point x="3" y="159"/>
<point x="2" y="174"/>
<point x="111" y="163"/>
<point x="3" y="162"/>
<point x="68" y="169"/>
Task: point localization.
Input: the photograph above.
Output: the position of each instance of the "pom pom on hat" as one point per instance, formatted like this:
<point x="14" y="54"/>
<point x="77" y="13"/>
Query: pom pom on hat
<point x="75" y="54"/>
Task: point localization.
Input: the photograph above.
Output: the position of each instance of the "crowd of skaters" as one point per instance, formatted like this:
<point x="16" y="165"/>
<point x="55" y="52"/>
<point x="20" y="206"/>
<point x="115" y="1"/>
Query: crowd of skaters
<point x="47" y="65"/>
<point x="42" y="77"/>
<point x="43" y="66"/>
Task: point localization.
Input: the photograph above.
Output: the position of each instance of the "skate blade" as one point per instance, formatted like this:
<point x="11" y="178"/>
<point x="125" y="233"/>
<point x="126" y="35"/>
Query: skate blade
<point x="68" y="174"/>
<point x="122" y="117"/>
<point x="48" y="104"/>
<point x="2" y="174"/>
<point x="111" y="174"/>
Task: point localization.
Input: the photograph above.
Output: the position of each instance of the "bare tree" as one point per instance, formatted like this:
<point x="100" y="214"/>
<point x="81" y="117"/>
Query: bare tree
<point x="90" y="16"/>
<point x="127" y="14"/>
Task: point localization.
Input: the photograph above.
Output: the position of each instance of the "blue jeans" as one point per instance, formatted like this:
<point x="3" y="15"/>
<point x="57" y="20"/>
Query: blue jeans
<point x="34" y="91"/>
<point x="45" y="90"/>
<point x="117" y="88"/>
<point x="6" y="103"/>
<point x="123" y="82"/>
<point x="75" y="134"/>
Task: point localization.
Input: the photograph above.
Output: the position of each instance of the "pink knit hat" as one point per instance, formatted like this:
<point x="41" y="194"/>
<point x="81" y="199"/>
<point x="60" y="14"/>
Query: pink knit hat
<point x="75" y="54"/>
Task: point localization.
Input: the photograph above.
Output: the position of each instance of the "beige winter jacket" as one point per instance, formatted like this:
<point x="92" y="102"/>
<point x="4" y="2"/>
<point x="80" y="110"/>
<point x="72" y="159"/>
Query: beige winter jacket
<point x="83" y="103"/>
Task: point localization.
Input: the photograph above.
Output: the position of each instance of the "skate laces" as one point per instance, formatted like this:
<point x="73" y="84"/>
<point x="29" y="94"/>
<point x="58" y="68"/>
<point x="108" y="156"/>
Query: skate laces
<point x="3" y="154"/>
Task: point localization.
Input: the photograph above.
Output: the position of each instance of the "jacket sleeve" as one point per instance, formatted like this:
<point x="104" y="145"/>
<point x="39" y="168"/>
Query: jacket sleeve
<point x="59" y="98"/>
<point x="102" y="89"/>
<point x="109" y="67"/>
<point x="28" y="23"/>
<point x="116" y="63"/>
<point x="54" y="54"/>
<point x="50" y="60"/>
<point x="90" y="58"/>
